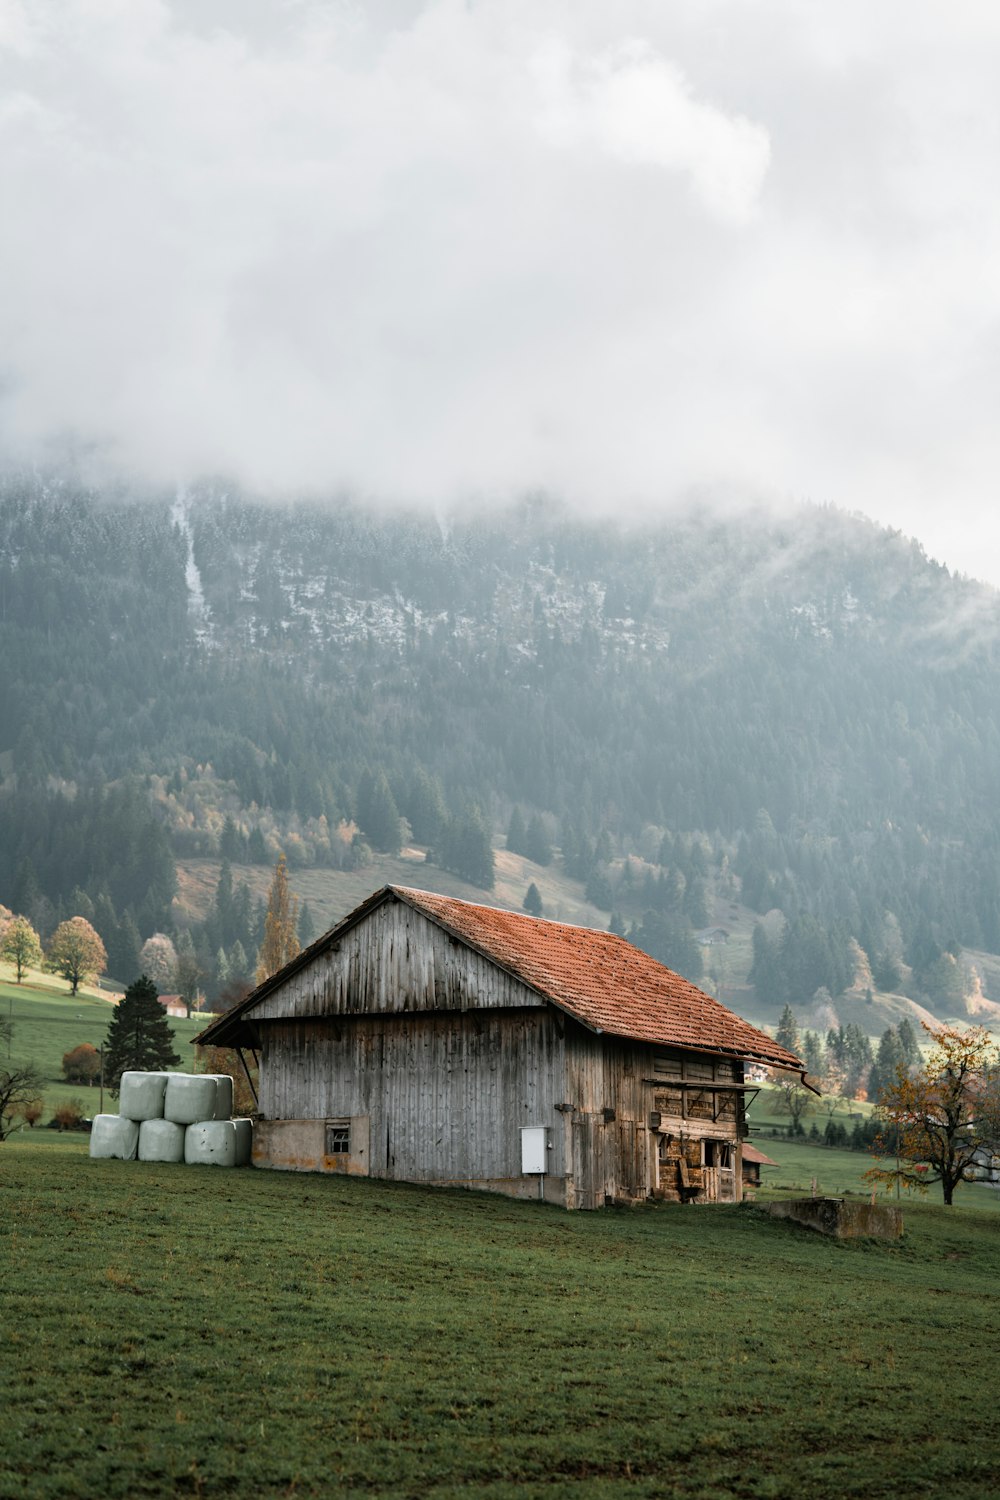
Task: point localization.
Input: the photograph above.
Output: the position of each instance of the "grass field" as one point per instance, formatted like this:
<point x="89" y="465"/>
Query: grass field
<point x="49" y="1022"/>
<point x="188" y="1331"/>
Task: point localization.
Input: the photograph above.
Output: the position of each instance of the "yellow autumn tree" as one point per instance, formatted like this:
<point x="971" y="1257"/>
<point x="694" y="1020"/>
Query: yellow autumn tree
<point x="941" y="1121"/>
<point x="281" y="941"/>
<point x="76" y="952"/>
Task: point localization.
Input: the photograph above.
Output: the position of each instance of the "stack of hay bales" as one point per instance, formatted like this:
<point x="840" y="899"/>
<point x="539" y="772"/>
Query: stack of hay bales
<point x="174" y="1117"/>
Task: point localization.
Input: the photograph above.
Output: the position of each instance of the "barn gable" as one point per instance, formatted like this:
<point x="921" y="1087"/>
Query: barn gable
<point x="393" y="960"/>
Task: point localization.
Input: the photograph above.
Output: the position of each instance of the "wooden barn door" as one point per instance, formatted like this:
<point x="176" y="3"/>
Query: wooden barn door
<point x="588" y="1160"/>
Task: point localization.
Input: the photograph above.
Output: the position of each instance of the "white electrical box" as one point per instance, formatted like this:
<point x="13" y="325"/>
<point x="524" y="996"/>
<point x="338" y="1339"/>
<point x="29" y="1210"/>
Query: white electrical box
<point x="534" y="1149"/>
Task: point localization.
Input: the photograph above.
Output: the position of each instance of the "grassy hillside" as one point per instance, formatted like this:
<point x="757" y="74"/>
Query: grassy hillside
<point x="49" y="1022"/>
<point x="331" y="894"/>
<point x="178" y="1330"/>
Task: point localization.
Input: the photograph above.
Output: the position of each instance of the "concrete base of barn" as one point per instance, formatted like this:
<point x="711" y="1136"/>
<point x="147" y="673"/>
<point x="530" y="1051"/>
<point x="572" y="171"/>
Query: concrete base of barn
<point x="304" y="1146"/>
<point x="842" y="1220"/>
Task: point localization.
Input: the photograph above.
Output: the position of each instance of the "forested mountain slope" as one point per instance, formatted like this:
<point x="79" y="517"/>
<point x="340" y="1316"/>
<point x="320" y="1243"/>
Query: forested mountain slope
<point x="800" y="714"/>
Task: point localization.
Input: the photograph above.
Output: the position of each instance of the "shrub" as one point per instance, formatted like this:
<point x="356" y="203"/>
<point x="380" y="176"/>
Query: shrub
<point x="69" y="1116"/>
<point x="82" y="1064"/>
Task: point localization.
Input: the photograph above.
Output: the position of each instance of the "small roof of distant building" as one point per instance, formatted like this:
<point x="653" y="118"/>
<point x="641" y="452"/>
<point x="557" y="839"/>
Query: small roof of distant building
<point x="752" y="1153"/>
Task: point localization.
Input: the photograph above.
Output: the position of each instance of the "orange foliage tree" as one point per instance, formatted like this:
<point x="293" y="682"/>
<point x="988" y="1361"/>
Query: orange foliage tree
<point x="82" y="1064"/>
<point x="942" y="1120"/>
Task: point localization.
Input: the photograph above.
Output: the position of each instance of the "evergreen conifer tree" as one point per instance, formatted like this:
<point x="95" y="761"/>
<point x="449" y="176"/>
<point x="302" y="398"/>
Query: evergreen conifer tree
<point x="307" y="927"/>
<point x="256" y="848"/>
<point x="532" y="902"/>
<point x="139" y="1036"/>
<point x="239" y="964"/>
<point x="536" y="843"/>
<point x="515" y="832"/>
<point x="787" y="1034"/>
<point x="378" y="814"/>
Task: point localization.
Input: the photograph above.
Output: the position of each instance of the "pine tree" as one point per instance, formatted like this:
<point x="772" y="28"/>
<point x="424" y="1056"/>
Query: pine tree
<point x="888" y="1060"/>
<point x="378" y="814"/>
<point x="909" y="1047"/>
<point x="256" y="848"/>
<point x="812" y="1053"/>
<point x="307" y="927"/>
<point x="239" y="964"/>
<point x="229" y="840"/>
<point x="425" y="807"/>
<point x="280" y="942"/>
<point x="787" y="1034"/>
<point x="532" y="902"/>
<point x="223" y="904"/>
<point x="139" y="1035"/>
<point x="536" y="843"/>
<point x="123" y="958"/>
<point x="516" y="832"/>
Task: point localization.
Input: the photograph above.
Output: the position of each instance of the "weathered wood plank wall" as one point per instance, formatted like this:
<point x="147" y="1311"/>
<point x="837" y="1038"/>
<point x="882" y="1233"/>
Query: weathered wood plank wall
<point x="609" y="1085"/>
<point x="446" y="1095"/>
<point x="395" y="960"/>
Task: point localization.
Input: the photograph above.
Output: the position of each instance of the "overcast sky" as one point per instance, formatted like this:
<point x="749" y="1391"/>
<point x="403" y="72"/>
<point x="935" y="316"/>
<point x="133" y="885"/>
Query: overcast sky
<point x="623" y="250"/>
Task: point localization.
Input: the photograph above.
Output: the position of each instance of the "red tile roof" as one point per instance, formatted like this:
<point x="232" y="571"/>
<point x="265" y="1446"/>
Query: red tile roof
<point x="754" y="1154"/>
<point x="601" y="979"/>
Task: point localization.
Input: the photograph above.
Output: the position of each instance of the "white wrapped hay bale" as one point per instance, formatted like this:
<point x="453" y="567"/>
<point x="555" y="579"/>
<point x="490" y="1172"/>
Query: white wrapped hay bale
<point x="244" y="1142"/>
<point x="224" y="1099"/>
<point x="190" y="1097"/>
<point x="161" y="1140"/>
<point x="140" y="1095"/>
<point x="210" y="1143"/>
<point x="112" y="1136"/>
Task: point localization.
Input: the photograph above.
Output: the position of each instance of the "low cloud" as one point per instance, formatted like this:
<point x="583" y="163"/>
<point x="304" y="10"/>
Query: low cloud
<point x="420" y="251"/>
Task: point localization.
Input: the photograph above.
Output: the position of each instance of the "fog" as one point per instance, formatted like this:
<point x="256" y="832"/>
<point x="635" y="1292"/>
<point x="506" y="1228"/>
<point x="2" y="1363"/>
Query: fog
<point x="426" y="252"/>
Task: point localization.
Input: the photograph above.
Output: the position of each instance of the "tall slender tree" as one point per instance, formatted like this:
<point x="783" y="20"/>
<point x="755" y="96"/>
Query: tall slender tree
<point x="280" y="942"/>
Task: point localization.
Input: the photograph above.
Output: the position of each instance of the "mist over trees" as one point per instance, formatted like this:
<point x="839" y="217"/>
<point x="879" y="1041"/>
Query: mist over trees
<point x="805" y="714"/>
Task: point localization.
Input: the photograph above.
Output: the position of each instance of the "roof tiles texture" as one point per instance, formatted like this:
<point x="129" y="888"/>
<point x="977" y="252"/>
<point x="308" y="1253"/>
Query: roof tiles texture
<point x="601" y="979"/>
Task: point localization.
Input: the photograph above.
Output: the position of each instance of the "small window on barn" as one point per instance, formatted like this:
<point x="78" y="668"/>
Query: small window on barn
<point x="338" y="1137"/>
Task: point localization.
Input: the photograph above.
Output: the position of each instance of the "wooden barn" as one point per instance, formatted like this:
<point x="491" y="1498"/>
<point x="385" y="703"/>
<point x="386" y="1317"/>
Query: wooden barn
<point x="432" y="1040"/>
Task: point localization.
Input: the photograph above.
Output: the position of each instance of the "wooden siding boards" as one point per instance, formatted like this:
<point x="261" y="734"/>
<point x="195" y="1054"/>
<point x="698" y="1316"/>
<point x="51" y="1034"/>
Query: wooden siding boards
<point x="395" y="960"/>
<point x="445" y="1095"/>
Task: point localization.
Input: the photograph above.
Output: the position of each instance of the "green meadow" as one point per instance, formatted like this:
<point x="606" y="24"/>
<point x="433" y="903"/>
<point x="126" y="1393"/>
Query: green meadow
<point x="190" y="1331"/>
<point x="48" y="1022"/>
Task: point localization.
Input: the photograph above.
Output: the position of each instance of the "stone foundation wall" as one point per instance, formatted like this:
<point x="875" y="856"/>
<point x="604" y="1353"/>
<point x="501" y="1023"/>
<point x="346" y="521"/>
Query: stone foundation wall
<point x="842" y="1219"/>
